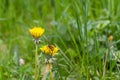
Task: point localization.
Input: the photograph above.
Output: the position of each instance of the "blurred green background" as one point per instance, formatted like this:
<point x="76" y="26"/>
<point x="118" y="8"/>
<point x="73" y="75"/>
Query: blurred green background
<point x="80" y="28"/>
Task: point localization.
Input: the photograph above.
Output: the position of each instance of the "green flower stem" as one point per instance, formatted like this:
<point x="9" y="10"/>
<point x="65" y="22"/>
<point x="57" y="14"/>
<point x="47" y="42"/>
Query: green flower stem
<point x="51" y="74"/>
<point x="36" y="62"/>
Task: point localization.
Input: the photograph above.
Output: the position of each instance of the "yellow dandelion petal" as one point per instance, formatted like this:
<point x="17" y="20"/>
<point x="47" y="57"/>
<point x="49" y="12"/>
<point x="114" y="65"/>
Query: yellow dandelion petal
<point x="36" y="32"/>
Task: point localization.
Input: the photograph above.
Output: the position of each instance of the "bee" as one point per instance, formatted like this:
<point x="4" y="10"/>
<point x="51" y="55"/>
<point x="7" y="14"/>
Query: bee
<point x="51" y="47"/>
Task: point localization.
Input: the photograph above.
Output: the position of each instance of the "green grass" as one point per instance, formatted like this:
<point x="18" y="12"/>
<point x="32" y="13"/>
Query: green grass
<point x="80" y="28"/>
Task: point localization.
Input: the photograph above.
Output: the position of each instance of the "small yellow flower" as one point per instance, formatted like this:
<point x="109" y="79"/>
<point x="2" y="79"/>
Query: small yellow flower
<point x="110" y="38"/>
<point x="36" y="32"/>
<point x="49" y="50"/>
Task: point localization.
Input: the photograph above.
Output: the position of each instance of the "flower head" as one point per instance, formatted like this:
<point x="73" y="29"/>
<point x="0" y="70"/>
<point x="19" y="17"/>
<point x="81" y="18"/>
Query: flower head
<point x="36" y="32"/>
<point x="49" y="50"/>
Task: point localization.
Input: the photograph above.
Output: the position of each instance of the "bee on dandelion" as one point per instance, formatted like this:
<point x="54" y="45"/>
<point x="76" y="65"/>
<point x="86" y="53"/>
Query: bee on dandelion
<point x="50" y="51"/>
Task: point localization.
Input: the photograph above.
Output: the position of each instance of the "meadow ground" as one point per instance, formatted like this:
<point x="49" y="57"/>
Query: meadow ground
<point x="86" y="32"/>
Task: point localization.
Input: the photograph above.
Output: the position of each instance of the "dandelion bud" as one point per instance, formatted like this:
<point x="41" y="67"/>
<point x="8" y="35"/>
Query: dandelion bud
<point x="110" y="38"/>
<point x="21" y="61"/>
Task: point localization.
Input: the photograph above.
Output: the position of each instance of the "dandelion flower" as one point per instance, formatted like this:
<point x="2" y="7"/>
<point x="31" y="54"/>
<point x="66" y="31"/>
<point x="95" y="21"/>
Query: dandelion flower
<point x="36" y="32"/>
<point x="49" y="50"/>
